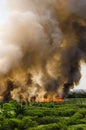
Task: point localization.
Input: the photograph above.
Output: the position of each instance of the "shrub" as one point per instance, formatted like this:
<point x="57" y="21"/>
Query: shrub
<point x="48" y="120"/>
<point x="53" y="126"/>
<point x="27" y="123"/>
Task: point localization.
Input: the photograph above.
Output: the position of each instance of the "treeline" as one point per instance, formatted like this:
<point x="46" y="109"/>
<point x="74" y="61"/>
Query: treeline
<point x="77" y="94"/>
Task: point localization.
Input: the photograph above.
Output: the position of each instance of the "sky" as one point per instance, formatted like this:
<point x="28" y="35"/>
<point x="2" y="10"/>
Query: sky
<point x="82" y="84"/>
<point x="2" y="11"/>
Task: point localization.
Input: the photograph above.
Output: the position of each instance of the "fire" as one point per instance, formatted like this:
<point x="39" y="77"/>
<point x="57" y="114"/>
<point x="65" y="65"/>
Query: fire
<point x="51" y="99"/>
<point x="60" y="100"/>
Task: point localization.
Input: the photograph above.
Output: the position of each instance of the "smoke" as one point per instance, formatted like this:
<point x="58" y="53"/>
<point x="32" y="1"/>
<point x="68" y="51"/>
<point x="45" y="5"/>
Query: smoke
<point x="78" y="7"/>
<point x="42" y="44"/>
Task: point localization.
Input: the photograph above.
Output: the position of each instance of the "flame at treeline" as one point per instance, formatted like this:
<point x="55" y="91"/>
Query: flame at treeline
<point x="42" y="45"/>
<point x="48" y="99"/>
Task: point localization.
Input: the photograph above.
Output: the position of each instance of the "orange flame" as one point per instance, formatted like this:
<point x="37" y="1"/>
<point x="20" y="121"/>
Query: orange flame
<point x="51" y="99"/>
<point x="60" y="100"/>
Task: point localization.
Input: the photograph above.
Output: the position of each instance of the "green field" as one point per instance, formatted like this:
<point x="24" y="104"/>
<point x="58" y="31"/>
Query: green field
<point x="69" y="115"/>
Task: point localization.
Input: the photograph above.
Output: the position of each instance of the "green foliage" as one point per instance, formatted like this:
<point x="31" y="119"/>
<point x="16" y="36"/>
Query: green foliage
<point x="47" y="120"/>
<point x="77" y="127"/>
<point x="27" y="123"/>
<point x="77" y="94"/>
<point x="53" y="126"/>
<point x="69" y="115"/>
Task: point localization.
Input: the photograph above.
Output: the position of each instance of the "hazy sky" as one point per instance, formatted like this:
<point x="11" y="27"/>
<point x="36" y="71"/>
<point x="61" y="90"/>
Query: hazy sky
<point x="82" y="84"/>
<point x="2" y="11"/>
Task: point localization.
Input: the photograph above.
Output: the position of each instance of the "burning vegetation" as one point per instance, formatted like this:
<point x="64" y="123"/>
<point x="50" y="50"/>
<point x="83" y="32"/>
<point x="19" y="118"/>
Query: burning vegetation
<point x="42" y="44"/>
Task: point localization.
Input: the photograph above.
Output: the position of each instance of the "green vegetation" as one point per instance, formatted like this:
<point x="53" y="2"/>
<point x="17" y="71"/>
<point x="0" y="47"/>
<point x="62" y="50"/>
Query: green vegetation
<point x="69" y="115"/>
<point x="77" y="94"/>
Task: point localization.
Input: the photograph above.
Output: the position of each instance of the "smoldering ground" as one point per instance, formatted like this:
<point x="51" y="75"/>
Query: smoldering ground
<point x="42" y="44"/>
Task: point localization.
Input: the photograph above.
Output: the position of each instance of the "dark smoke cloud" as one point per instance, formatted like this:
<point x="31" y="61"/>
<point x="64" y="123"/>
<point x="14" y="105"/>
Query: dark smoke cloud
<point x="78" y="7"/>
<point x="42" y="45"/>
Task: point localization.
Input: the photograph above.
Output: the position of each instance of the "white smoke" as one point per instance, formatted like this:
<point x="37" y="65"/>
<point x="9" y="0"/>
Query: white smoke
<point x="29" y="33"/>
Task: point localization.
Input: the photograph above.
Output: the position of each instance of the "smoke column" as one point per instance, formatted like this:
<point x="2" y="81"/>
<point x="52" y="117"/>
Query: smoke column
<point x="42" y="44"/>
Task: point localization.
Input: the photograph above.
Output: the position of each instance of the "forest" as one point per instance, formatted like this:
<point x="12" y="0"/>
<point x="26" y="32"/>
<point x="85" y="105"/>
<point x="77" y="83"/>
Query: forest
<point x="67" y="115"/>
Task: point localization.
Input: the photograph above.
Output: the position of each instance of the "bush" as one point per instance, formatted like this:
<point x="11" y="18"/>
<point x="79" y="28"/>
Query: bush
<point x="27" y="123"/>
<point x="66" y="112"/>
<point x="53" y="126"/>
<point x="48" y="120"/>
<point x="80" y="127"/>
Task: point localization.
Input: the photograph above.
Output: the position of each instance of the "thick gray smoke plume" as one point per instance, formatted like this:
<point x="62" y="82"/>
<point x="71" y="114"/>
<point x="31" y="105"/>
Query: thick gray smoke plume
<point x="42" y="44"/>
